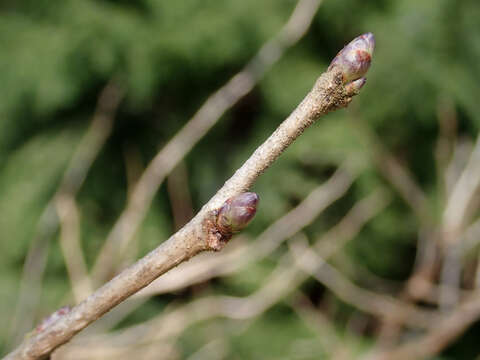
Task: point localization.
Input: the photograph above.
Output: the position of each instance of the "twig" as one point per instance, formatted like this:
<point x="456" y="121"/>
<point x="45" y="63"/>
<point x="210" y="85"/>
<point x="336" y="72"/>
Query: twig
<point x="440" y="334"/>
<point x="240" y="254"/>
<point x="312" y="317"/>
<point x="399" y="176"/>
<point x="329" y="93"/>
<point x="365" y="300"/>
<point x="418" y="284"/>
<point x="204" y="119"/>
<point x="446" y="140"/>
<point x="236" y="257"/>
<point x="461" y="153"/>
<point x="179" y="194"/>
<point x="71" y="248"/>
<point x="213" y="350"/>
<point x="283" y="280"/>
<point x="154" y="351"/>
<point x="456" y="216"/>
<point x="457" y="205"/>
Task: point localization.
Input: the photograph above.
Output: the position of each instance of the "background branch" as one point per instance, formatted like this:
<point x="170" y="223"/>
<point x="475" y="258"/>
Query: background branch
<point x="87" y="151"/>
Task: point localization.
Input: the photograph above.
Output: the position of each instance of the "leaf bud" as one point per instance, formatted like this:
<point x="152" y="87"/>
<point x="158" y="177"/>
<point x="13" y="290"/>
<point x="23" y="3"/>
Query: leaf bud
<point x="237" y="212"/>
<point x="355" y="58"/>
<point x="353" y="88"/>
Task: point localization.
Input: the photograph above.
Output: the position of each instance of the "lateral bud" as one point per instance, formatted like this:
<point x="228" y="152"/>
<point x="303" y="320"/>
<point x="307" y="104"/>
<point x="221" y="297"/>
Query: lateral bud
<point x="353" y="88"/>
<point x="236" y="213"/>
<point x="355" y="58"/>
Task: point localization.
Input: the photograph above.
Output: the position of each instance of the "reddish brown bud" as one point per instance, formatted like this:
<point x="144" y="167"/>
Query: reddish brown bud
<point x="237" y="212"/>
<point x="354" y="59"/>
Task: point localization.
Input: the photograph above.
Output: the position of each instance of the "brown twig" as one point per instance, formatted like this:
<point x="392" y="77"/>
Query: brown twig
<point x="441" y="333"/>
<point x="208" y="265"/>
<point x="203" y="120"/>
<point x="456" y="210"/>
<point x="283" y="280"/>
<point x="179" y="195"/>
<point x="70" y="244"/>
<point x="328" y="94"/>
<point x="457" y="214"/>
<point x="241" y="253"/>
<point x="365" y="300"/>
<point x="313" y="318"/>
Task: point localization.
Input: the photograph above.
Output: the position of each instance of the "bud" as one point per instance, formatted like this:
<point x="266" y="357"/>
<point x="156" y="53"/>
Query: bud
<point x="353" y="88"/>
<point x="237" y="212"/>
<point x="354" y="59"/>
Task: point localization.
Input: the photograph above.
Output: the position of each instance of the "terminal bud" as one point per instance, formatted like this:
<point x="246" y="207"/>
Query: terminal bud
<point x="355" y="58"/>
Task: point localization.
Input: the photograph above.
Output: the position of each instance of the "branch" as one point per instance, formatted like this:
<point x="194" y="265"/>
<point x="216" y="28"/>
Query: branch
<point x="456" y="209"/>
<point x="441" y="333"/>
<point x="239" y="255"/>
<point x="334" y="89"/>
<point x="71" y="247"/>
<point x="233" y="259"/>
<point x="366" y="300"/>
<point x="194" y="130"/>
<point x="284" y="279"/>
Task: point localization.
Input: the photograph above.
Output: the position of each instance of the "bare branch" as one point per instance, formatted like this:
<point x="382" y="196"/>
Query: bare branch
<point x="179" y="194"/>
<point x="456" y="210"/>
<point x="238" y="256"/>
<point x="440" y="334"/>
<point x="365" y="300"/>
<point x="71" y="248"/>
<point x="203" y="120"/>
<point x="283" y="280"/>
<point x="240" y="253"/>
<point x="328" y="94"/>
<point x="313" y="318"/>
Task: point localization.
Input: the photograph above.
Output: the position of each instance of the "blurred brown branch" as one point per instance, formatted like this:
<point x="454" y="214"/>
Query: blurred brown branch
<point x="87" y="151"/>
<point x="439" y="335"/>
<point x="71" y="247"/>
<point x="365" y="300"/>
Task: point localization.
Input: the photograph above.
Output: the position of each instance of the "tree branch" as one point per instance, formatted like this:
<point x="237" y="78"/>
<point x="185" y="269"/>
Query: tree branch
<point x="194" y="130"/>
<point x="329" y="93"/>
<point x="284" y="279"/>
<point x="441" y="333"/>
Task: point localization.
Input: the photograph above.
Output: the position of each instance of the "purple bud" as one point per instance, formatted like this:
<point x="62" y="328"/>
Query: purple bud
<point x="237" y="212"/>
<point x="354" y="59"/>
<point x="352" y="88"/>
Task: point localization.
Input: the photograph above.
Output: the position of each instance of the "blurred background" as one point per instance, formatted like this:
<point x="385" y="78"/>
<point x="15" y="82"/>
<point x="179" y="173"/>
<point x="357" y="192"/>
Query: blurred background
<point x="365" y="244"/>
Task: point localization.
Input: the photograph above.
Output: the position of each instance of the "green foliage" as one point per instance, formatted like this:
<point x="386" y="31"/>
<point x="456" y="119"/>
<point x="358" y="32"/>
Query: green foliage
<point x="170" y="55"/>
